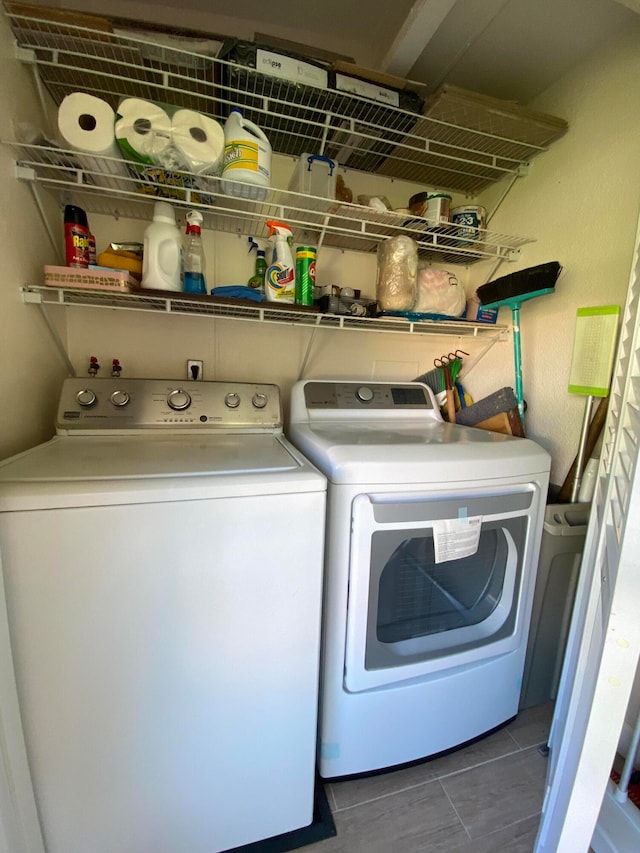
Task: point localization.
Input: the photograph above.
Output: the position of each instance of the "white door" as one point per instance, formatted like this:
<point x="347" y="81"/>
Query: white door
<point x="604" y="642"/>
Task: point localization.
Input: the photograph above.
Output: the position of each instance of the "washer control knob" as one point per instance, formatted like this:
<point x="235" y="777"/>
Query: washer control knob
<point x="120" y="398"/>
<point x="259" y="401"/>
<point x="86" y="398"/>
<point x="232" y="400"/>
<point x="179" y="400"/>
<point x="364" y="394"/>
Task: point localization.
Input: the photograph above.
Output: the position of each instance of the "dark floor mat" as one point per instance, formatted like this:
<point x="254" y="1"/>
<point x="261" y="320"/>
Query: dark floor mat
<point x="321" y="828"/>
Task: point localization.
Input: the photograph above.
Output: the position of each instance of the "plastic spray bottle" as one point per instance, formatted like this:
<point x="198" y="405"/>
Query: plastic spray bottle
<point x="257" y="279"/>
<point x="280" y="281"/>
<point x="194" y="265"/>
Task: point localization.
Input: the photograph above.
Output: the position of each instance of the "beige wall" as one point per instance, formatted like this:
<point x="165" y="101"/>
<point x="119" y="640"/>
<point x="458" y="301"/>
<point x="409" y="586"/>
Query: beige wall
<point x="580" y="202"/>
<point x="30" y="368"/>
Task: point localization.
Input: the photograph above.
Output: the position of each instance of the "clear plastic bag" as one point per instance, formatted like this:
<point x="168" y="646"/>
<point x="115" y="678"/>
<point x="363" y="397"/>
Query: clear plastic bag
<point x="397" y="274"/>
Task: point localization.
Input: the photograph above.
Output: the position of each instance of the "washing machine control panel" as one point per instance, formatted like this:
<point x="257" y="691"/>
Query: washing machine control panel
<point x="95" y="405"/>
<point x="381" y="396"/>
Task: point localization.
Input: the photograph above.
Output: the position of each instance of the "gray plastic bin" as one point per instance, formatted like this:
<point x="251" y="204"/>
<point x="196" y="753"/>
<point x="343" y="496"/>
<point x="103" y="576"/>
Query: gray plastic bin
<point x="563" y="536"/>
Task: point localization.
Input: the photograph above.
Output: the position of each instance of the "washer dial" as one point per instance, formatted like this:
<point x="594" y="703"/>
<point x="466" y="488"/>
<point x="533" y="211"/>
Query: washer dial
<point x="259" y="401"/>
<point x="179" y="400"/>
<point x="232" y="400"/>
<point x="86" y="398"/>
<point x="120" y="398"/>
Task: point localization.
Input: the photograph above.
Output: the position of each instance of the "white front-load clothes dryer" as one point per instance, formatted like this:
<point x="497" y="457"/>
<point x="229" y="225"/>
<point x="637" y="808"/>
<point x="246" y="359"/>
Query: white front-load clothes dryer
<point x="161" y="561"/>
<point x="433" y="534"/>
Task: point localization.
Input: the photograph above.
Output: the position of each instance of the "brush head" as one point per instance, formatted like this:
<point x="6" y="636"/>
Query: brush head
<point x="519" y="286"/>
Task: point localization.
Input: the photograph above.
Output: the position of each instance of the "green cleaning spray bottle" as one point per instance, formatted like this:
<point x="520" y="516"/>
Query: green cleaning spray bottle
<point x="257" y="279"/>
<point x="280" y="281"/>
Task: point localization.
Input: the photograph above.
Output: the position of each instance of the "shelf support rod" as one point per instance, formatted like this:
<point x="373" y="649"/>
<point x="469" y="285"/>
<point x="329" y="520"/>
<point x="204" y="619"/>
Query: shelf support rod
<point x="57" y="248"/>
<point x="307" y="353"/>
<point x="56" y="339"/>
<point x="468" y="366"/>
<point x="506" y="192"/>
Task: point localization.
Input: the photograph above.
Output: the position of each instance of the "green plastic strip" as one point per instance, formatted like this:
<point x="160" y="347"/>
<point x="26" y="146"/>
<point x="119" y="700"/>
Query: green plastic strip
<point x="593" y="350"/>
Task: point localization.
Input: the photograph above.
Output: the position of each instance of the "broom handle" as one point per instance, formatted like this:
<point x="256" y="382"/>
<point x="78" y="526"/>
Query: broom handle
<point x="517" y="358"/>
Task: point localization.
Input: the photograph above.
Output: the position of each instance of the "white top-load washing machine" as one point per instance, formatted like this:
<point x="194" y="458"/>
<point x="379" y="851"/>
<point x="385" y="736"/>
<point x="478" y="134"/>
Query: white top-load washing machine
<point x="433" y="533"/>
<point x="162" y="567"/>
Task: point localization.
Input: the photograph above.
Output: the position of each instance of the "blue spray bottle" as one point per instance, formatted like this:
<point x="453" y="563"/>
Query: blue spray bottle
<point x="194" y="265"/>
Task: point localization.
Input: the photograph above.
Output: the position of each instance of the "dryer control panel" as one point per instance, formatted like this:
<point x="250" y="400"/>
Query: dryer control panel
<point x="383" y="396"/>
<point x="95" y="405"/>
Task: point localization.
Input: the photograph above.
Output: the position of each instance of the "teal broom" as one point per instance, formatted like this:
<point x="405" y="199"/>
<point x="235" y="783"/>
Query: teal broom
<point x="511" y="291"/>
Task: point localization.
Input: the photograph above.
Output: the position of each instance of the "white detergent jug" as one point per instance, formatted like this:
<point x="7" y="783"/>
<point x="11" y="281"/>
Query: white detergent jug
<point x="247" y="158"/>
<point x="162" y="257"/>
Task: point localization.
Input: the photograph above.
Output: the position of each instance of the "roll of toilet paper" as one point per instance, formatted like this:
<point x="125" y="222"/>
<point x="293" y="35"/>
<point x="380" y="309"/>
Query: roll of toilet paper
<point x="143" y="131"/>
<point x="86" y="125"/>
<point x="198" y="141"/>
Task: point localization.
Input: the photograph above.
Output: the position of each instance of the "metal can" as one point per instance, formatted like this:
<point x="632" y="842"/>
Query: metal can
<point x="305" y="274"/>
<point x="470" y="219"/>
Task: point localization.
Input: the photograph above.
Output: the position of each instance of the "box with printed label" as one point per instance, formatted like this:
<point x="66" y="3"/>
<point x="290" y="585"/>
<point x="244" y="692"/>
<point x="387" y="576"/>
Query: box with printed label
<point x="254" y="72"/>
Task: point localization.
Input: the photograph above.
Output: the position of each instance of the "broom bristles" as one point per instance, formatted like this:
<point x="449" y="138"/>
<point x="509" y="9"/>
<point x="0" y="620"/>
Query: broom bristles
<point x="520" y="283"/>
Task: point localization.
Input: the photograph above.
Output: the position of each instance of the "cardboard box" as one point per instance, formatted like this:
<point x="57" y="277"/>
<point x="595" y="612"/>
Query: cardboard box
<point x="477" y="313"/>
<point x="366" y="83"/>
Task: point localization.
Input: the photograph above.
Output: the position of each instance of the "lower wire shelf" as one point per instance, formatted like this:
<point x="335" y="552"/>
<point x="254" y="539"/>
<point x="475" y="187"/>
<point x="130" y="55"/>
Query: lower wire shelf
<point x="262" y="312"/>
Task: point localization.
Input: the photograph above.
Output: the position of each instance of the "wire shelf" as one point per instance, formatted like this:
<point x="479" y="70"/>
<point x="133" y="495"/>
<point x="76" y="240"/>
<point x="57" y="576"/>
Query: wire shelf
<point x="264" y="312"/>
<point x="105" y="185"/>
<point x="357" y="132"/>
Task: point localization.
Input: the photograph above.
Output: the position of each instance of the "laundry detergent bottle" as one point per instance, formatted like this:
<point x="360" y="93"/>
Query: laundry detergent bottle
<point x="162" y="257"/>
<point x="247" y="158"/>
<point x="280" y="280"/>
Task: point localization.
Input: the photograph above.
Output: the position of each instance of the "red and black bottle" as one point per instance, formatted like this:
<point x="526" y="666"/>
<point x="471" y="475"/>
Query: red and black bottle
<point x="76" y="236"/>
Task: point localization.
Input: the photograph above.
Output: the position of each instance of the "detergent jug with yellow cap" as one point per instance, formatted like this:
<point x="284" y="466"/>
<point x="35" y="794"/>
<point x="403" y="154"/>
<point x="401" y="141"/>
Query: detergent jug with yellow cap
<point x="247" y="158"/>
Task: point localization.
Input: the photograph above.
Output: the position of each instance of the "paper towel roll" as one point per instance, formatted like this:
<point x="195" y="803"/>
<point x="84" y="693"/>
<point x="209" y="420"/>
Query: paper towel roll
<point x="86" y="125"/>
<point x="143" y="131"/>
<point x="198" y="141"/>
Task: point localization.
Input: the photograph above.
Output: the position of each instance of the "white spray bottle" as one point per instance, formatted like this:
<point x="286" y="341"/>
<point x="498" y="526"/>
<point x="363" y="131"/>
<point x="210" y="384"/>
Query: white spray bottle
<point x="280" y="280"/>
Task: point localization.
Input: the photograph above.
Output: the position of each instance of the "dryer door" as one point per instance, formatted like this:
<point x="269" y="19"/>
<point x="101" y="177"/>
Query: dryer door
<point x="437" y="582"/>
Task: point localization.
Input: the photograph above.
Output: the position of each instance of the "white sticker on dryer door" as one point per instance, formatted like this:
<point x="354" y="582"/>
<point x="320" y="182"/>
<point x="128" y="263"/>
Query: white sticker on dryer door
<point x="455" y="538"/>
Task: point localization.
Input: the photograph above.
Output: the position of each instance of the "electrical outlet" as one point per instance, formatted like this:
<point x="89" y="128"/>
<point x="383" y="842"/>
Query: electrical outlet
<point x="195" y="369"/>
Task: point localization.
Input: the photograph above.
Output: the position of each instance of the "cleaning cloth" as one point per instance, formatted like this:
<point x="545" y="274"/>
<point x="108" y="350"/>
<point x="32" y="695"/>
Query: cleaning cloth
<point x="238" y="291"/>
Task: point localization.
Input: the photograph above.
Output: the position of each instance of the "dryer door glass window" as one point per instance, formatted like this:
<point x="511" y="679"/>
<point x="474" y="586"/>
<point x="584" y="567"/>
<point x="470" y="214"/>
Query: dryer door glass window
<point x="419" y="609"/>
<point x="418" y="597"/>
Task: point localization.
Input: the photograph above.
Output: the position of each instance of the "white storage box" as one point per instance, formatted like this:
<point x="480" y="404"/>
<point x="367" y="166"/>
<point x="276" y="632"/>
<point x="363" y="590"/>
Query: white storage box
<point x="314" y="175"/>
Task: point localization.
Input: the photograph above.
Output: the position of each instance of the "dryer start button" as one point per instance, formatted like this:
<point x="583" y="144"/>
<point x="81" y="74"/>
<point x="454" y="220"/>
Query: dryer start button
<point x="364" y="394"/>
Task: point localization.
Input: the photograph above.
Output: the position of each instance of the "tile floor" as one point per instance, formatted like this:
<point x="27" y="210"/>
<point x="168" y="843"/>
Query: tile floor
<point x="485" y="798"/>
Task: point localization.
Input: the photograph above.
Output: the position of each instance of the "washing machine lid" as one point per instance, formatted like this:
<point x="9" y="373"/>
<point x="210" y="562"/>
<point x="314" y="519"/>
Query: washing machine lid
<point x="94" y="470"/>
<point x="415" y="452"/>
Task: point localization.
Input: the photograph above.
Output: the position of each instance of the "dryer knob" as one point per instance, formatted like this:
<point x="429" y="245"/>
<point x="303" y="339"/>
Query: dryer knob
<point x="259" y="401"/>
<point x="86" y="398"/>
<point x="232" y="401"/>
<point x="364" y="394"/>
<point x="120" y="398"/>
<point x="179" y="400"/>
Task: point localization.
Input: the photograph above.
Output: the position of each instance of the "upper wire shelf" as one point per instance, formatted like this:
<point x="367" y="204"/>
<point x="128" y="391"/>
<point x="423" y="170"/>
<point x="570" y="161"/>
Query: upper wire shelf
<point x="108" y="188"/>
<point x="355" y="131"/>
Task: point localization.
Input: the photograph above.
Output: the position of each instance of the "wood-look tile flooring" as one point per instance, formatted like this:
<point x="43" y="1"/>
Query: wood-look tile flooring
<point x="485" y="798"/>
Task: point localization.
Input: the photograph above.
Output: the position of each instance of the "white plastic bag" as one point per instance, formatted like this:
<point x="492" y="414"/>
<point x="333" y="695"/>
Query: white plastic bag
<point x="439" y="292"/>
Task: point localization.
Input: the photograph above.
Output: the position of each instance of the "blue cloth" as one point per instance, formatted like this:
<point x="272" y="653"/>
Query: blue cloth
<point x="239" y="292"/>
